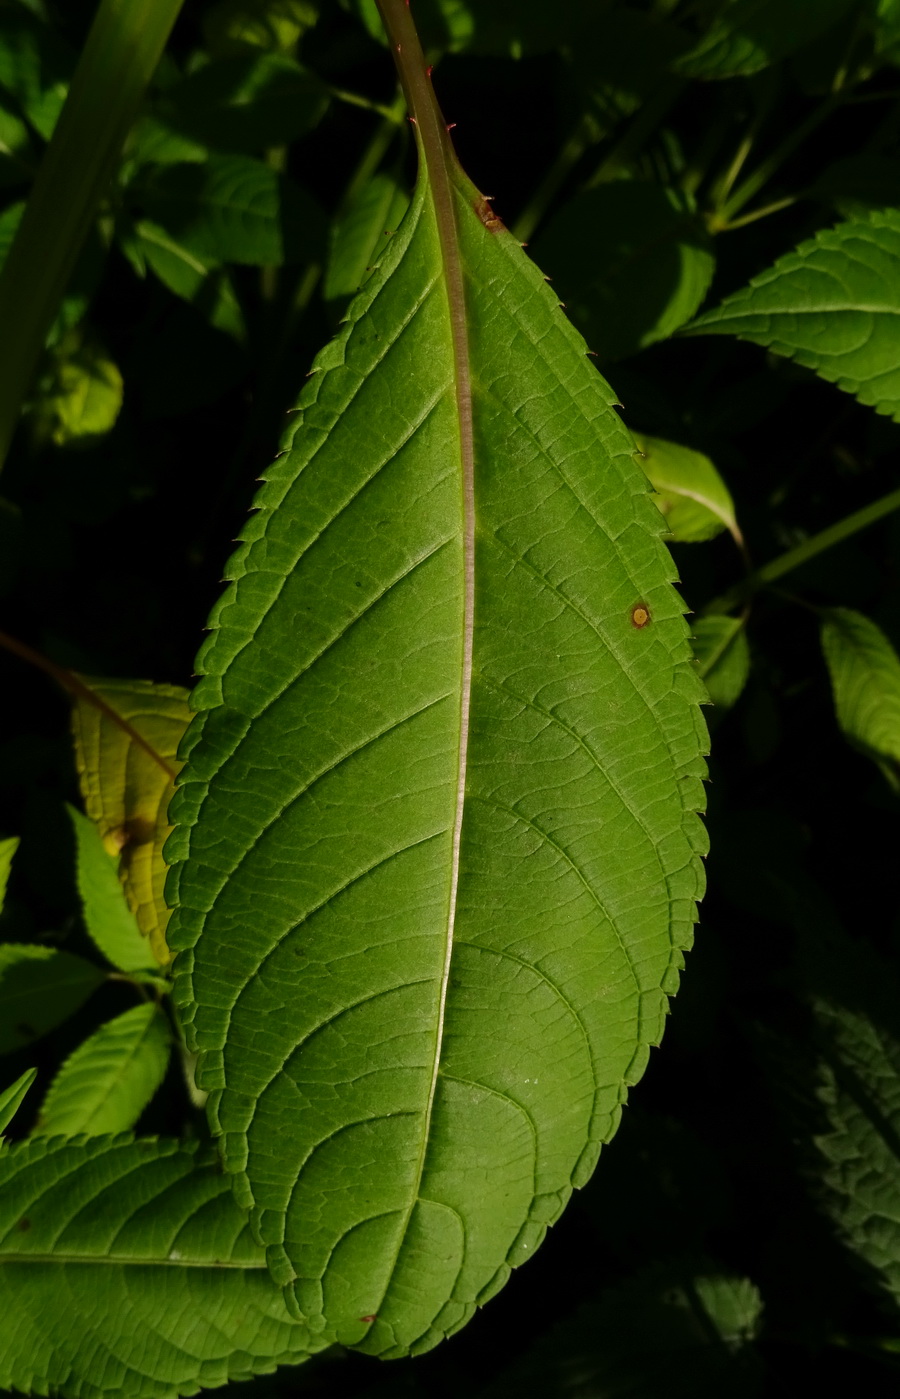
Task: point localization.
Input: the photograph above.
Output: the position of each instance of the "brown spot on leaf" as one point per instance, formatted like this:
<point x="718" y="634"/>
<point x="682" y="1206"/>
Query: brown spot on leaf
<point x="640" y="615"/>
<point x="484" y="211"/>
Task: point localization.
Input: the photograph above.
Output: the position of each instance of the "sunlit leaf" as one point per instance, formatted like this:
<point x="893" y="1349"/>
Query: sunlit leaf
<point x="107" y="1082"/>
<point x="39" y="988"/>
<point x="81" y="398"/>
<point x="865" y="680"/>
<point x="13" y="1097"/>
<point x="8" y="849"/>
<point x="444" y="778"/>
<point x="689" y="491"/>
<point x="723" y="657"/>
<point x="126" y="737"/>
<point x="126" y="1268"/>
<point x="631" y="261"/>
<point x="107" y="917"/>
<point x="747" y="35"/>
<point x="832" y="305"/>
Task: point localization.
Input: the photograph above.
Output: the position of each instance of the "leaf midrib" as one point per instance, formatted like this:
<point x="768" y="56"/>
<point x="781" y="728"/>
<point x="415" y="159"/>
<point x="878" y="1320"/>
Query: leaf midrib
<point x="436" y="158"/>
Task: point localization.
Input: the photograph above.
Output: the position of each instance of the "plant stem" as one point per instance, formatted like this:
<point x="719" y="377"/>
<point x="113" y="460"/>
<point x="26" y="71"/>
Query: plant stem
<point x="119" y="58"/>
<point x="356" y="99"/>
<point x="372" y="156"/>
<point x="802" y="553"/>
<point x="586" y="133"/>
<point x="78" y="688"/>
<point x="775" y="207"/>
<point x="764" y="172"/>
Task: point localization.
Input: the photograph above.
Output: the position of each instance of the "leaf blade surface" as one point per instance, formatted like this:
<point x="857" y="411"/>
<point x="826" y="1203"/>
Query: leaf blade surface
<point x="419" y="708"/>
<point x="832" y="305"/>
<point x="125" y="1267"/>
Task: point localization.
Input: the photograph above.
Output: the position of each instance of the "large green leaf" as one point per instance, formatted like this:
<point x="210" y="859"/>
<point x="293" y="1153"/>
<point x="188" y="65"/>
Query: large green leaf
<point x="127" y="1268"/>
<point x="39" y="988"/>
<point x="865" y="680"/>
<point x="831" y="305"/>
<point x="107" y="1082"/>
<point x="747" y="35"/>
<point x="437" y="848"/>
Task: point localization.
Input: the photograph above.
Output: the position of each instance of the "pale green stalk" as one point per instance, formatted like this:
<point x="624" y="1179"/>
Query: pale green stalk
<point x="116" y="65"/>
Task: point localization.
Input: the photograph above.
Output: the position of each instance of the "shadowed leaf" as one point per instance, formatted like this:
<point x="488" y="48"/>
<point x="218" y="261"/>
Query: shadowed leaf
<point x="865" y="681"/>
<point x="723" y="657"/>
<point x="631" y="261"/>
<point x="39" y="988"/>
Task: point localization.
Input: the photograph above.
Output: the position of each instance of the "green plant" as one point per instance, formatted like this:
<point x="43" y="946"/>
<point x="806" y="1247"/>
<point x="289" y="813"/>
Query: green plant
<point x="436" y="845"/>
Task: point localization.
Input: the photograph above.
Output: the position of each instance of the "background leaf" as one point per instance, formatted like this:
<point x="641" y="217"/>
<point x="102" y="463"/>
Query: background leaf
<point x="669" y="1331"/>
<point x="859" y="1153"/>
<point x="126" y="1267"/>
<point x="865" y="681"/>
<point x="197" y="280"/>
<point x="689" y="491"/>
<point x="631" y="261"/>
<point x="234" y="209"/>
<point x="107" y="1082"/>
<point x="125" y="749"/>
<point x="428" y="1156"/>
<point x="723" y="657"/>
<point x="361" y="233"/>
<point x="743" y="36"/>
<point x="107" y="917"/>
<point x="8" y="849"/>
<point x="246" y="103"/>
<point x="12" y="1098"/>
<point x="832" y="305"/>
<point x="39" y="987"/>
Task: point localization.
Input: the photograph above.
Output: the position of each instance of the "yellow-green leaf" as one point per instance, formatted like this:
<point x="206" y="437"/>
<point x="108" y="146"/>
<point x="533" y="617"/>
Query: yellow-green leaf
<point x="107" y="1082"/>
<point x="689" y="491"/>
<point x="82" y="399"/>
<point x="8" y="848"/>
<point x="12" y="1097"/>
<point x="107" y="917"/>
<point x="126" y="735"/>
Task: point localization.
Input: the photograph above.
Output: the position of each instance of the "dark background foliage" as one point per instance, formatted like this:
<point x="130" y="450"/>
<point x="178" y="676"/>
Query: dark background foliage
<point x="111" y="555"/>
